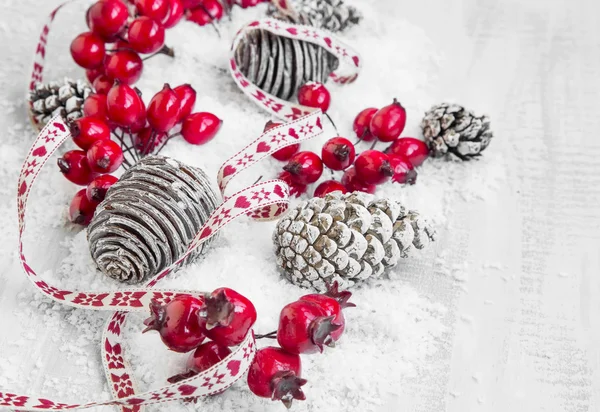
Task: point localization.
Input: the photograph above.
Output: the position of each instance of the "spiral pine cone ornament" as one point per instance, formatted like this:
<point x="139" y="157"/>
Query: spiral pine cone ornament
<point x="348" y="238"/>
<point x="453" y="131"/>
<point x="279" y="65"/>
<point x="332" y="15"/>
<point x="149" y="217"/>
<point x="66" y="99"/>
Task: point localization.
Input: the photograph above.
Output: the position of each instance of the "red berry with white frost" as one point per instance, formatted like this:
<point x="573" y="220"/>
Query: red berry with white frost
<point x="277" y="375"/>
<point x="187" y="99"/>
<point x="403" y="170"/>
<point x="163" y="109"/>
<point x="351" y="180"/>
<point x="414" y="149"/>
<point x="124" y="105"/>
<point x="304" y="168"/>
<point x="362" y="122"/>
<point x="107" y="18"/>
<point x="179" y="323"/>
<point x="305" y="327"/>
<point x="155" y="9"/>
<point x="204" y="357"/>
<point x="200" y="128"/>
<point x="75" y="167"/>
<point x="81" y="209"/>
<point x="174" y="15"/>
<point x="373" y="167"/>
<point x="104" y="156"/>
<point x="388" y="123"/>
<point x="313" y="94"/>
<point x="96" y="191"/>
<point x="87" y="130"/>
<point x="124" y="65"/>
<point x="145" y="35"/>
<point x="338" y="153"/>
<point x="329" y="186"/>
<point x="228" y="316"/>
<point x="87" y="49"/>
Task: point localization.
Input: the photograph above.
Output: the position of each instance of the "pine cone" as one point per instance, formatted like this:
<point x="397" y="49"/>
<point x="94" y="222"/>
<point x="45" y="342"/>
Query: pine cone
<point x="452" y="130"/>
<point x="149" y="217"/>
<point x="332" y="15"/>
<point x="66" y="98"/>
<point x="279" y="65"/>
<point x="347" y="238"/>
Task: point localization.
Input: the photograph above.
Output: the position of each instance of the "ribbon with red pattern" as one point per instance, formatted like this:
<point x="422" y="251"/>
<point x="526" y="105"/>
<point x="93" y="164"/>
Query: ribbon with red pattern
<point x="347" y="71"/>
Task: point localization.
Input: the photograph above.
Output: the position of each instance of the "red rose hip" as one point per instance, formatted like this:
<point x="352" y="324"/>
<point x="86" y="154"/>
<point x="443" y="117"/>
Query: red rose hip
<point x="313" y="94"/>
<point x="88" y="50"/>
<point x="75" y="167"/>
<point x="229" y="316"/>
<point x="362" y="122"/>
<point x="107" y="18"/>
<point x="124" y="65"/>
<point x="174" y="15"/>
<point x="351" y="180"/>
<point x="145" y="35"/>
<point x="204" y="357"/>
<point x="304" y="168"/>
<point x="388" y="122"/>
<point x="81" y="209"/>
<point x="86" y="130"/>
<point x="373" y="167"/>
<point x="104" y="156"/>
<point x="329" y="186"/>
<point x="155" y="9"/>
<point x="95" y="106"/>
<point x="96" y="191"/>
<point x="124" y="105"/>
<point x="200" y="128"/>
<point x="163" y="110"/>
<point x="403" y="170"/>
<point x="338" y="153"/>
<point x="187" y="99"/>
<point x="414" y="149"/>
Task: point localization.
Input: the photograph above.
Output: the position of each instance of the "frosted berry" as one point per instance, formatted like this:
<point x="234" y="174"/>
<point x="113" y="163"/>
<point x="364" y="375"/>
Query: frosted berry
<point x="200" y="128"/>
<point x="124" y="105"/>
<point x="146" y="35"/>
<point x="102" y="84"/>
<point x="155" y="9"/>
<point x="353" y="183"/>
<point x="200" y="16"/>
<point x="124" y="65"/>
<point x="95" y="105"/>
<point x="104" y="156"/>
<point x="229" y="316"/>
<point x="74" y="166"/>
<point x="404" y="171"/>
<point x="313" y="94"/>
<point x="81" y="209"/>
<point x="178" y="322"/>
<point x="414" y="149"/>
<point x="373" y="167"/>
<point x="388" y="122"/>
<point x="187" y="99"/>
<point x="304" y="168"/>
<point x="92" y="74"/>
<point x="96" y="191"/>
<point x="148" y="139"/>
<point x="107" y="18"/>
<point x="88" y="50"/>
<point x="204" y="357"/>
<point x="362" y="122"/>
<point x="277" y="375"/>
<point x="304" y="327"/>
<point x="329" y="186"/>
<point x="338" y="153"/>
<point x="86" y="130"/>
<point x="163" y="110"/>
<point x="174" y="15"/>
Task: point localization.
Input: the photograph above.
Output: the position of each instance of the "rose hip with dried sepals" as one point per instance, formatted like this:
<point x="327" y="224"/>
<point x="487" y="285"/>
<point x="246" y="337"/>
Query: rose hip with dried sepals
<point x="204" y="357"/>
<point x="304" y="168"/>
<point x="96" y="190"/>
<point x="351" y="180"/>
<point x="81" y="209"/>
<point x="104" y="156"/>
<point x="414" y="149"/>
<point x="124" y="105"/>
<point x="329" y="186"/>
<point x="338" y="153"/>
<point x="87" y="130"/>
<point x="75" y="167"/>
<point x="373" y="167"/>
<point x="404" y="171"/>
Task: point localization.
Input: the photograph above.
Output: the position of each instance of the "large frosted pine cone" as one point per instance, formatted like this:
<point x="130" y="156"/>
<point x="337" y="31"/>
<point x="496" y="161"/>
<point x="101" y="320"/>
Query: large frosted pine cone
<point x="149" y="217"/>
<point x="279" y="65"/>
<point x="451" y="130"/>
<point x="348" y="238"/>
<point x="65" y="98"/>
<point x="332" y="15"/>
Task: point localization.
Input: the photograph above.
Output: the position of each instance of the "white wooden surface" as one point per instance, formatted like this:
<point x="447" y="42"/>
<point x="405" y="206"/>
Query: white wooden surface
<point x="526" y="336"/>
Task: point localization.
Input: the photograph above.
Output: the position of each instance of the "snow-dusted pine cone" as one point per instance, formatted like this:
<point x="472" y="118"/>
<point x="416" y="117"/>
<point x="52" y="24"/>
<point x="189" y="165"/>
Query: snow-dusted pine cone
<point x="347" y="238"/>
<point x="279" y="65"/>
<point x="332" y="15"/>
<point x="65" y="98"/>
<point x="452" y="130"/>
<point x="149" y="217"/>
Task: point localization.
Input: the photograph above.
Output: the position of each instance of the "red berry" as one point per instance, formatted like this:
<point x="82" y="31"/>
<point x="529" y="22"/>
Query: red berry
<point x="388" y="122"/>
<point x="332" y="308"/>
<point x="163" y="110"/>
<point x="414" y="149"/>
<point x="305" y="327"/>
<point x="351" y="180"/>
<point x="244" y="4"/>
<point x="81" y="209"/>
<point x="124" y="106"/>
<point x="139" y="124"/>
<point x="204" y="357"/>
<point x="75" y="167"/>
<point x="87" y="130"/>
<point x="102" y="84"/>
<point x="124" y="65"/>
<point x="187" y="99"/>
<point x="144" y="143"/>
<point x="155" y="9"/>
<point x="403" y="170"/>
<point x="277" y="375"/>
<point x="104" y="156"/>
<point x="314" y="94"/>
<point x="296" y="189"/>
<point x="146" y="35"/>
<point x="200" y="16"/>
<point x="107" y="18"/>
<point x="174" y="15"/>
<point x="190" y="4"/>
<point x="286" y="153"/>
<point x="271" y="125"/>
<point x="229" y="316"/>
<point x="95" y="105"/>
<point x="373" y="167"/>
<point x="329" y="186"/>
<point x="362" y="122"/>
<point x="305" y="168"/>
<point x="200" y="128"/>
<point x="96" y="191"/>
<point x="338" y="153"/>
<point x="178" y="322"/>
<point x="88" y="50"/>
<point x="93" y="74"/>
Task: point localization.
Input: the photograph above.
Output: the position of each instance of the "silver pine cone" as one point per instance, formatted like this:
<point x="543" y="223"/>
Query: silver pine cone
<point x="279" y="65"/>
<point x="149" y="217"/>
<point x="332" y="15"/>
<point x="348" y="238"/>
<point x="65" y="98"/>
<point x="453" y="131"/>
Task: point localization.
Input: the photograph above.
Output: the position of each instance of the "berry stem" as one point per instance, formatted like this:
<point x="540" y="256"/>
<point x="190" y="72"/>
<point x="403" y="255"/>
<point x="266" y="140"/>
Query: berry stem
<point x="167" y="141"/>
<point x="270" y="335"/>
<point x="374" y="144"/>
<point x="333" y="124"/>
<point x="149" y="144"/>
<point x="166" y="50"/>
<point x="257" y="180"/>
<point x="360" y="139"/>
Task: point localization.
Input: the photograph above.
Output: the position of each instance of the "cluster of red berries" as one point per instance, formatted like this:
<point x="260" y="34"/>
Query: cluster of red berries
<point x="363" y="172"/>
<point x="118" y="123"/>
